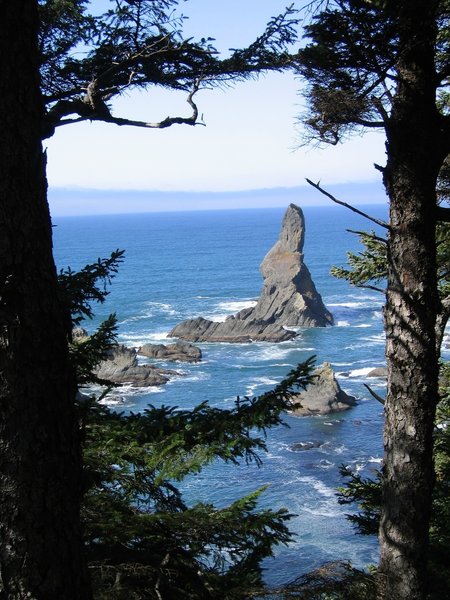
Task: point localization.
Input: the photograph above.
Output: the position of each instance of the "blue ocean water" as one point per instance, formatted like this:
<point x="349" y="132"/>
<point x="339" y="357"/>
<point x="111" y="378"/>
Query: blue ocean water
<point x="181" y="265"/>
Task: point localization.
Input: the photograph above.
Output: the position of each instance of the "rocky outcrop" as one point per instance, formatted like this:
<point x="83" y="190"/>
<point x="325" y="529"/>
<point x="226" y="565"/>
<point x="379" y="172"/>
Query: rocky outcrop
<point x="179" y="352"/>
<point x="378" y="372"/>
<point x="121" y="366"/>
<point x="289" y="298"/>
<point x="324" y="395"/>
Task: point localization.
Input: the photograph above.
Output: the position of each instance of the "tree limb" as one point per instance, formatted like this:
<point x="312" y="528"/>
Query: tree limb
<point x="93" y="108"/>
<point x="374" y="394"/>
<point x="349" y="206"/>
<point x="372" y="236"/>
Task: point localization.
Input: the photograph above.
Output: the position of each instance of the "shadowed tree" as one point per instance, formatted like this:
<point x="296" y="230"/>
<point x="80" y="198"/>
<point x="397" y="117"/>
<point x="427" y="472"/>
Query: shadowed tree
<point x="385" y="64"/>
<point x="85" y="61"/>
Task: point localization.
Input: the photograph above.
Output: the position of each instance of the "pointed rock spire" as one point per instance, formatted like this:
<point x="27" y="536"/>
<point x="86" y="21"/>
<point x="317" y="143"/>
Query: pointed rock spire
<point x="288" y="299"/>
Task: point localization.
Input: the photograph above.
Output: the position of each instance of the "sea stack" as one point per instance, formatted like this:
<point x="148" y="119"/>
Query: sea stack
<point x="289" y="298"/>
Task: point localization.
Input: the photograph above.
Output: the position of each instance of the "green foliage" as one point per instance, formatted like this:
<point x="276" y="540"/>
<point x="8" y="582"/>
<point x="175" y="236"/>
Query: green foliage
<point x="347" y="67"/>
<point x="88" y="59"/>
<point x="348" y="63"/>
<point x="87" y="352"/>
<point x="365" y="492"/>
<point x="332" y="581"/>
<point x="368" y="267"/>
<point x="136" y="522"/>
<point x="142" y="539"/>
<point x="80" y="288"/>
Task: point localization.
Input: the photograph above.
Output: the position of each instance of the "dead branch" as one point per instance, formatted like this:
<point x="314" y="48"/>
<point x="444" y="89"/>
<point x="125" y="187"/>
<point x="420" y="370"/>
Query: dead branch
<point x="349" y="206"/>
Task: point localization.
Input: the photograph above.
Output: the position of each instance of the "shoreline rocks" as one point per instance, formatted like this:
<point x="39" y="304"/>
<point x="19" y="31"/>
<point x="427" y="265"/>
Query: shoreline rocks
<point x="288" y="300"/>
<point x="179" y="352"/>
<point x="323" y="396"/>
<point x="121" y="366"/>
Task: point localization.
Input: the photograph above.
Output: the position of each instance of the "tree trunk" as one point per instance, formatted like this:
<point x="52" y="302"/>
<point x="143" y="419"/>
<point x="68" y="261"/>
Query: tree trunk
<point x="41" y="554"/>
<point x="415" y="154"/>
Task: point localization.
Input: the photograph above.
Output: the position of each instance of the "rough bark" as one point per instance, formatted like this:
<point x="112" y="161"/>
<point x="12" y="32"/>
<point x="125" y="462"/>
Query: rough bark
<point x="415" y="153"/>
<point x="41" y="554"/>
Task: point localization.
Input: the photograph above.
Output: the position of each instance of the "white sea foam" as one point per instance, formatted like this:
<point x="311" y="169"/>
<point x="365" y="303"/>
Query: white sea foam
<point x="274" y="352"/>
<point x="224" y="309"/>
<point x="324" y="490"/>
<point x="360" y="372"/>
<point x="236" y="305"/>
<point x="363" y="303"/>
<point x="162" y="307"/>
<point x="325" y="465"/>
<point x="259" y="382"/>
<point x="376" y="339"/>
<point x="197" y="376"/>
<point x="139" y="339"/>
<point x="342" y="324"/>
<point x="153" y="310"/>
<point x="123" y="395"/>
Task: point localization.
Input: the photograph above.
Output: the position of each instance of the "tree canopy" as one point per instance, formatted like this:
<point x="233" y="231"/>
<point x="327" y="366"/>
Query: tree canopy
<point x="87" y="59"/>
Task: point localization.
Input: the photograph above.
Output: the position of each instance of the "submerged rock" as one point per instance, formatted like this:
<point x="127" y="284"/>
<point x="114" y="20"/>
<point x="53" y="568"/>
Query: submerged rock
<point x="289" y="298"/>
<point x="324" y="395"/>
<point x="121" y="366"/>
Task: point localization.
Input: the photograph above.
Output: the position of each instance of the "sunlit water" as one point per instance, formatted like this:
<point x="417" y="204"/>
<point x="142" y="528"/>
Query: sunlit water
<point x="181" y="265"/>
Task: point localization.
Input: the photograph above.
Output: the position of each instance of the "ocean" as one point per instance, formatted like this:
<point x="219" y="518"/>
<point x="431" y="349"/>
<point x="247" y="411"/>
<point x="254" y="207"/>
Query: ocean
<point x="186" y="264"/>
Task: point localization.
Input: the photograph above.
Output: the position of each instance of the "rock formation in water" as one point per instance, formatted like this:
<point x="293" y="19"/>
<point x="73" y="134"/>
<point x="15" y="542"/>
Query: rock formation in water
<point x="289" y="298"/>
<point x="179" y="352"/>
<point x="121" y="366"/>
<point x="323" y="396"/>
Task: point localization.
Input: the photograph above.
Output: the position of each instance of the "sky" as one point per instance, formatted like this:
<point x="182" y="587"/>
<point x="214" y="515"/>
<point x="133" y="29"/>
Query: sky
<point x="247" y="155"/>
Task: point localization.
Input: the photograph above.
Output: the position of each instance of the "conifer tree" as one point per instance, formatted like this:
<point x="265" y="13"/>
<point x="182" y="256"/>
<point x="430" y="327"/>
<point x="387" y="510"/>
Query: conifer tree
<point x="62" y="64"/>
<point x="384" y="64"/>
<point x="142" y="539"/>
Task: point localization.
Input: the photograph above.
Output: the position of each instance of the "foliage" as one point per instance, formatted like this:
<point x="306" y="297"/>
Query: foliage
<point x="365" y="492"/>
<point x="88" y="59"/>
<point x="142" y="538"/>
<point x="135" y="518"/>
<point x="332" y="581"/>
<point x="136" y="522"/>
<point x="78" y="289"/>
<point x="367" y="268"/>
<point x="349" y="64"/>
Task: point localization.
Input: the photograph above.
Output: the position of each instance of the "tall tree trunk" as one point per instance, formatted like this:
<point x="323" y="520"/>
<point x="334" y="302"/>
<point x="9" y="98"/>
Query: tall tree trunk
<point x="414" y="157"/>
<point x="41" y="554"/>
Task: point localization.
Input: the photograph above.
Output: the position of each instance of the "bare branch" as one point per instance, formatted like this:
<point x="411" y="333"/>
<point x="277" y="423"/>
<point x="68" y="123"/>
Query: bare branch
<point x="100" y="112"/>
<point x="349" y="206"/>
<point x="374" y="288"/>
<point x="374" y="394"/>
<point x="372" y="236"/>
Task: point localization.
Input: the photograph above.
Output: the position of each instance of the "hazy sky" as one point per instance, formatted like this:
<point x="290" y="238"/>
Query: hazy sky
<point x="248" y="142"/>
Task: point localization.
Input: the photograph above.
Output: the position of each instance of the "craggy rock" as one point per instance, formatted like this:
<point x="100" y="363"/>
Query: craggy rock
<point x="324" y="395"/>
<point x="180" y="351"/>
<point x="289" y="298"/>
<point x="122" y="367"/>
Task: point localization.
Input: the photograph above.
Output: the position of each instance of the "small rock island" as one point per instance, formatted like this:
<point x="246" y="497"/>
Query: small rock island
<point x="289" y="298"/>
